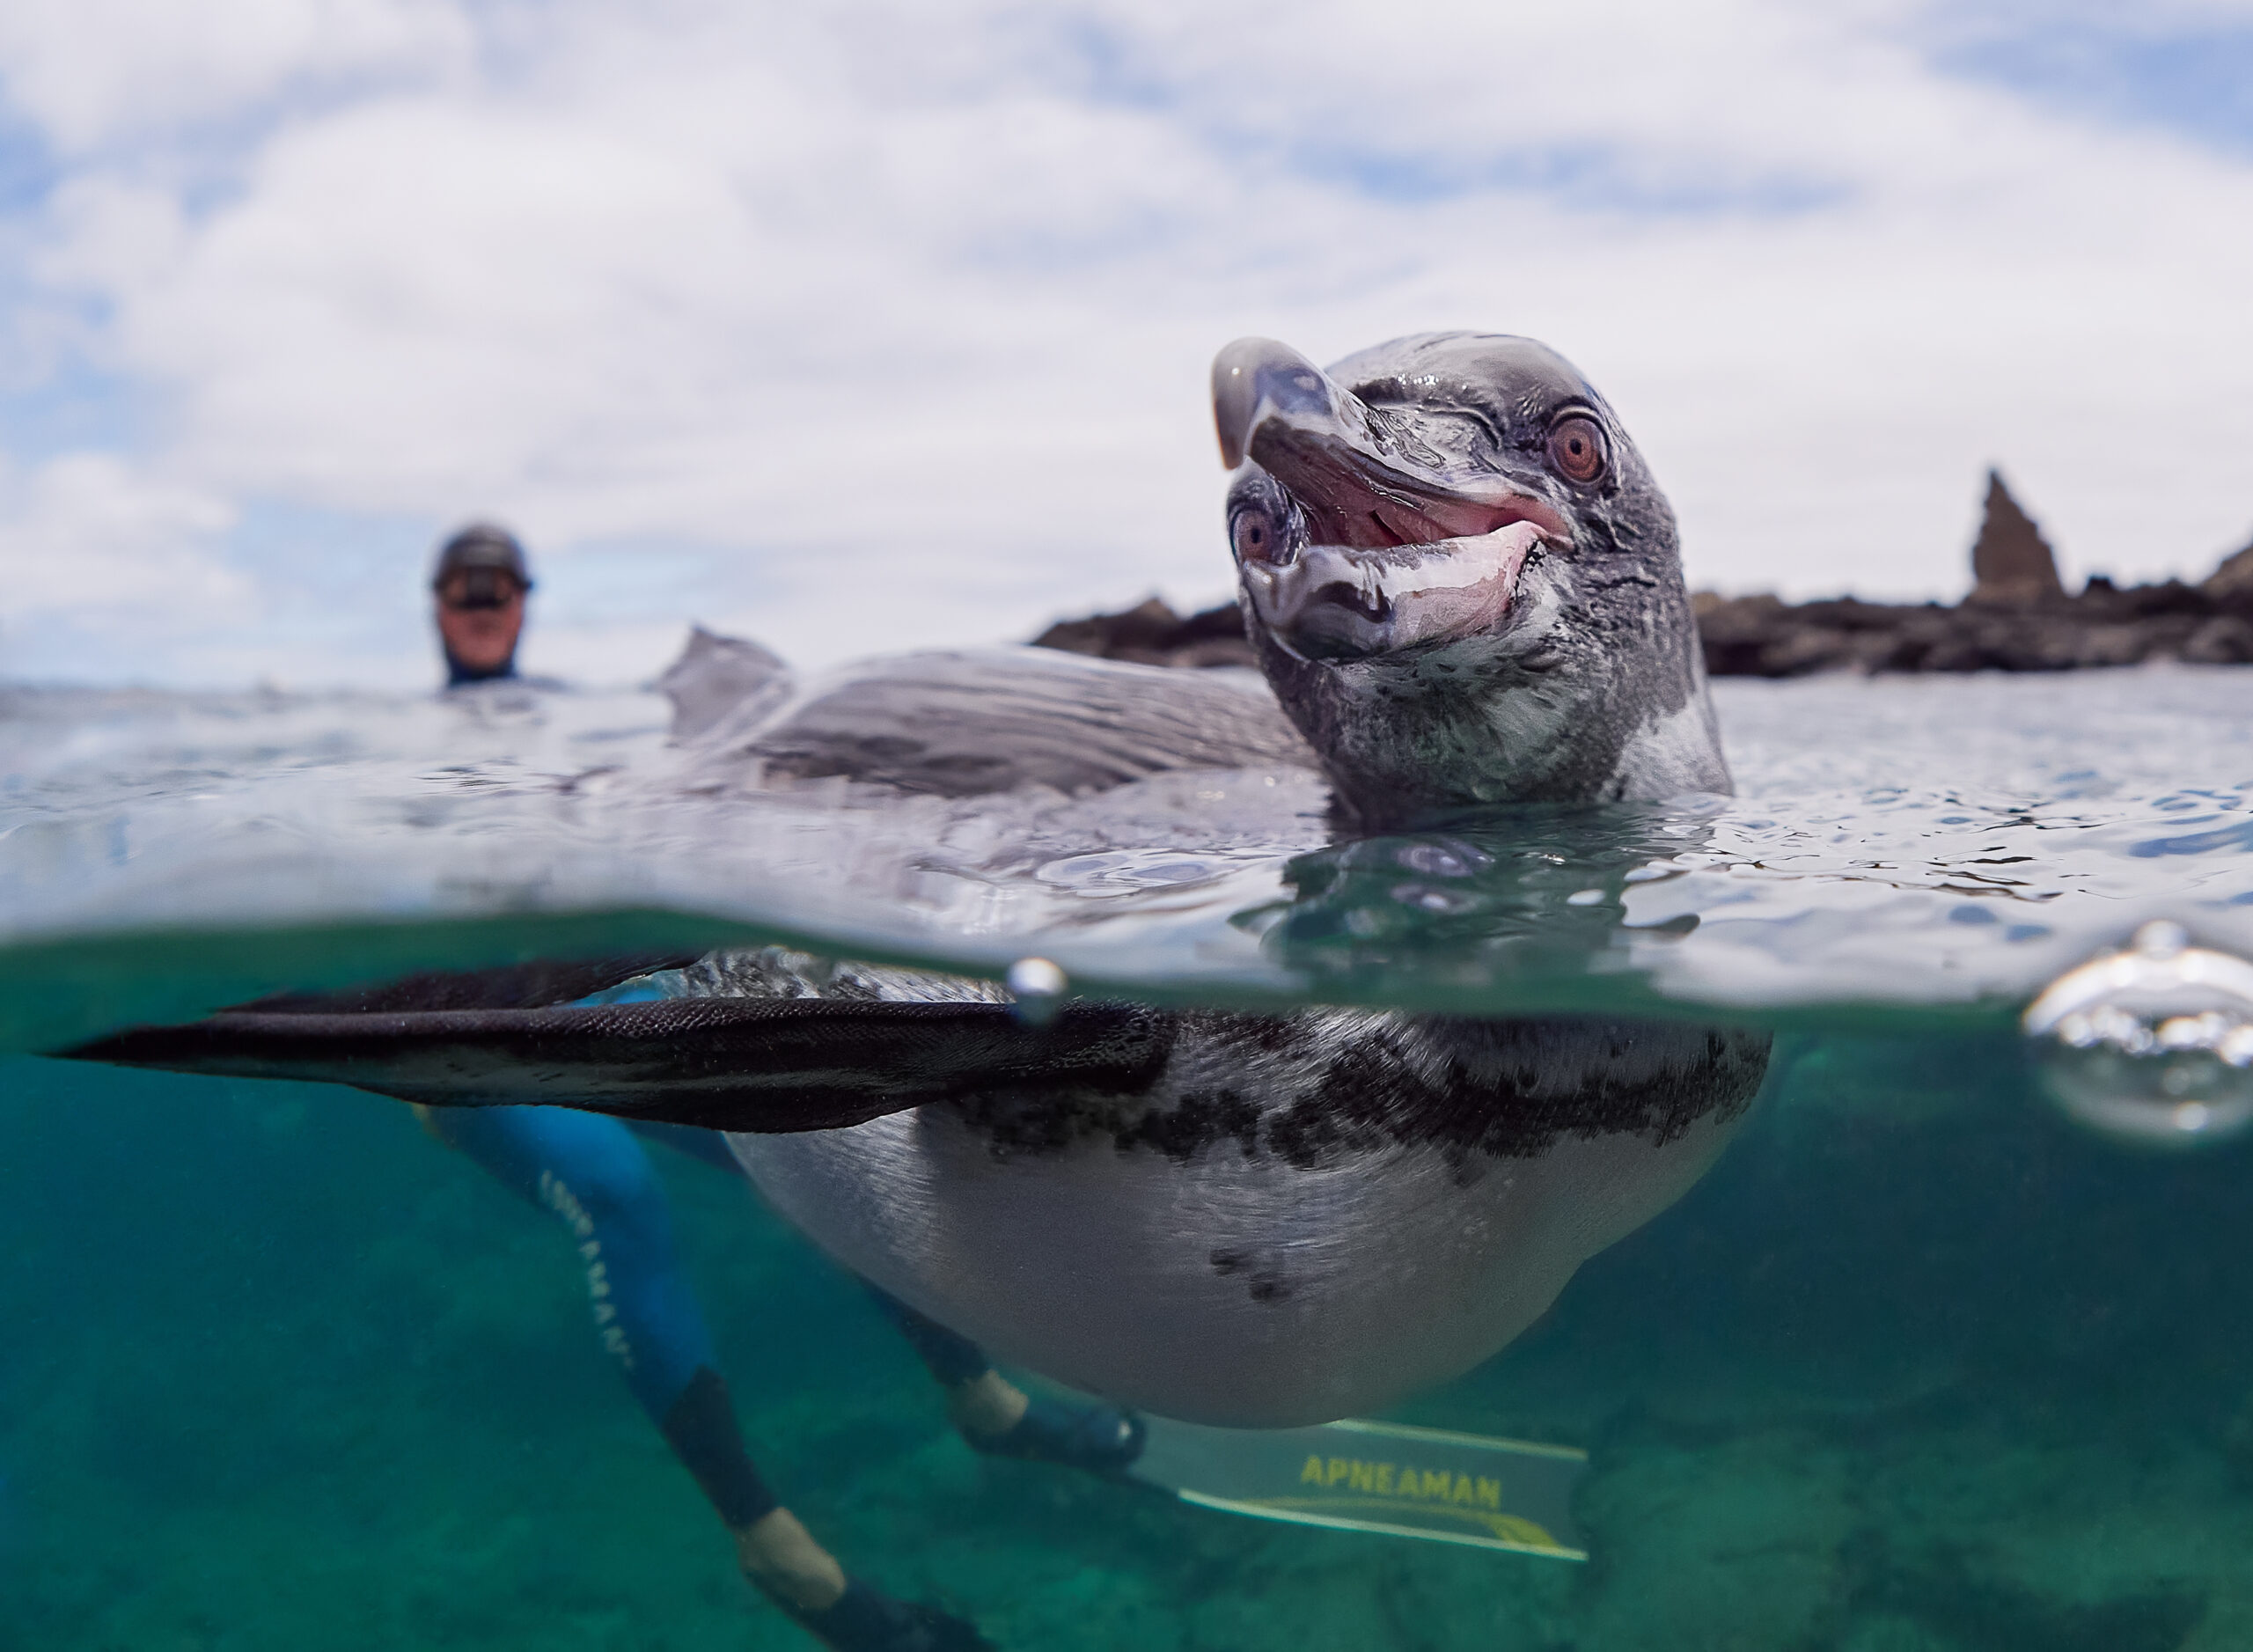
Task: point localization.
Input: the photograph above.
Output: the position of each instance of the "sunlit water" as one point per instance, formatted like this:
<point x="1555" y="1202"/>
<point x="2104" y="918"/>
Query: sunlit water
<point x="1952" y="1350"/>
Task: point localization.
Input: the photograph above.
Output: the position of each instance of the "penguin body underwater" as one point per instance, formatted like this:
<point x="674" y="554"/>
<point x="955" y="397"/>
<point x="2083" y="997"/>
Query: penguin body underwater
<point x="1466" y="593"/>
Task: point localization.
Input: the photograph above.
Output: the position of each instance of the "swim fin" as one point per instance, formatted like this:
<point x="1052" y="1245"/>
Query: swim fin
<point x="1386" y="1477"/>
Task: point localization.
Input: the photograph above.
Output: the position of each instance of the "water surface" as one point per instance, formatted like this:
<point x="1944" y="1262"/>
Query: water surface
<point x="1920" y="1364"/>
<point x="1919" y="843"/>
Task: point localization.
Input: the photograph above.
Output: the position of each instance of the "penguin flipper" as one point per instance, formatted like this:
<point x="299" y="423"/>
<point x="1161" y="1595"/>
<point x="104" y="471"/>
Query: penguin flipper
<point x="974" y="722"/>
<point x="758" y="1065"/>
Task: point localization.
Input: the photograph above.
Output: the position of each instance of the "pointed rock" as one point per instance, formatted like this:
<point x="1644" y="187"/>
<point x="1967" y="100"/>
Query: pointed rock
<point x="2232" y="583"/>
<point x="2011" y="563"/>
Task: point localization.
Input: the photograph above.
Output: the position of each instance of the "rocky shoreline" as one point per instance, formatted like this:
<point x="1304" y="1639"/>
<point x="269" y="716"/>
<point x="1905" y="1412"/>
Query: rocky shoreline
<point x="1763" y="636"/>
<point x="2018" y="618"/>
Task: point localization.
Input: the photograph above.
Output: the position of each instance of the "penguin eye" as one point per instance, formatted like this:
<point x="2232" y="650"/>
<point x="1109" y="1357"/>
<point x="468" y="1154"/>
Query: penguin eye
<point x="1577" y="449"/>
<point x="1252" y="535"/>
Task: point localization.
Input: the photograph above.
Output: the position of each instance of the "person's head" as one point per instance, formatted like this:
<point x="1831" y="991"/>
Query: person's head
<point x="480" y="582"/>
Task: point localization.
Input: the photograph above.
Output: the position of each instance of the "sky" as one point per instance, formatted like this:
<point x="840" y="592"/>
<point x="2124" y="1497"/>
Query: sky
<point x="863" y="327"/>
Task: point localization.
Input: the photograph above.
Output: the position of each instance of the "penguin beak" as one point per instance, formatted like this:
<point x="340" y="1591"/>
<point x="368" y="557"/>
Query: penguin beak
<point x="1254" y="378"/>
<point x="1399" y="553"/>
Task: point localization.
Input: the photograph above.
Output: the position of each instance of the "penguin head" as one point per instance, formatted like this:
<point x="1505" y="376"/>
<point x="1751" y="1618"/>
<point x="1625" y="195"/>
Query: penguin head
<point x="1460" y="576"/>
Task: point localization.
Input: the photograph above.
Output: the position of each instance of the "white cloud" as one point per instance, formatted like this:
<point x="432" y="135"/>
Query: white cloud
<point x="84" y="531"/>
<point x="93" y="72"/>
<point x="88" y="545"/>
<point x="905" y="310"/>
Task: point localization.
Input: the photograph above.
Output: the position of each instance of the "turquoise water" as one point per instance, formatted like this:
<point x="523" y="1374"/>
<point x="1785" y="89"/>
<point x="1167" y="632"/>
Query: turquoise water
<point x="1921" y="1364"/>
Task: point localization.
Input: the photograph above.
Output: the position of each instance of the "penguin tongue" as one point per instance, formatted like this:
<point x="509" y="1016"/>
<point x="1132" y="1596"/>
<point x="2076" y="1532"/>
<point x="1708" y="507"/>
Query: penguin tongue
<point x="1435" y="519"/>
<point x="1348" y="602"/>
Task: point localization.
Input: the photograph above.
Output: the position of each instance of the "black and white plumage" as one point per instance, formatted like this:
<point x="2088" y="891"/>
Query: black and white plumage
<point x="1251" y="1219"/>
<point x="1295" y="1218"/>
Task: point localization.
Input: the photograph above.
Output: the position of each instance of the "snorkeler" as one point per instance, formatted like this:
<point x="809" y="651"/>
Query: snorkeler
<point x="590" y="1171"/>
<point x="481" y="583"/>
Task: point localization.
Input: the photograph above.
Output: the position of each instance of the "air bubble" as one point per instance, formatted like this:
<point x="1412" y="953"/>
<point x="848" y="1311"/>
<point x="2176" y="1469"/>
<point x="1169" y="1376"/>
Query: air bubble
<point x="1446" y="859"/>
<point x="2160" y="940"/>
<point x="1447" y="902"/>
<point x="2152" y="1044"/>
<point x="1039" y="988"/>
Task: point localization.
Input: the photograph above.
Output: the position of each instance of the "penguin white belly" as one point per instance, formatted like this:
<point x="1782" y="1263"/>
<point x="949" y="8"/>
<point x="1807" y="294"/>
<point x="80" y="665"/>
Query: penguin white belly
<point x="1235" y="1290"/>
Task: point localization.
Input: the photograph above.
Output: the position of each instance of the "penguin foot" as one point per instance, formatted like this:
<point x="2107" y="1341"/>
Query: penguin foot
<point x="1101" y="1439"/>
<point x="864" y="1618"/>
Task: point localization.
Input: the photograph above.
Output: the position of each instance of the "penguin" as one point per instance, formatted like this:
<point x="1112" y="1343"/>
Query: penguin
<point x="1465" y="590"/>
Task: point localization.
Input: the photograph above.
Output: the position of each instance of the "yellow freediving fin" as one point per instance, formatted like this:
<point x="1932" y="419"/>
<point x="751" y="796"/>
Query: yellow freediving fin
<point x="1387" y="1478"/>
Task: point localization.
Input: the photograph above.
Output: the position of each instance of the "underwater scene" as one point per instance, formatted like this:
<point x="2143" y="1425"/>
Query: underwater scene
<point x="1905" y="1309"/>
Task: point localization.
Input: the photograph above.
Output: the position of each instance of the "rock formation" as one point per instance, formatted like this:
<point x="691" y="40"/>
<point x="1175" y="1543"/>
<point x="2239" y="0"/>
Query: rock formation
<point x="2011" y="562"/>
<point x="2018" y="618"/>
<point x="1155" y="635"/>
<point x="2232" y="583"/>
<point x="1762" y="636"/>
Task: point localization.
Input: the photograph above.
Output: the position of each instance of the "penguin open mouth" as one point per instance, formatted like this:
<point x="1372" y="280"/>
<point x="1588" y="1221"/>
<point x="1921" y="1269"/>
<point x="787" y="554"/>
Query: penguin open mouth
<point x="1397" y="558"/>
<point x="1348" y="602"/>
